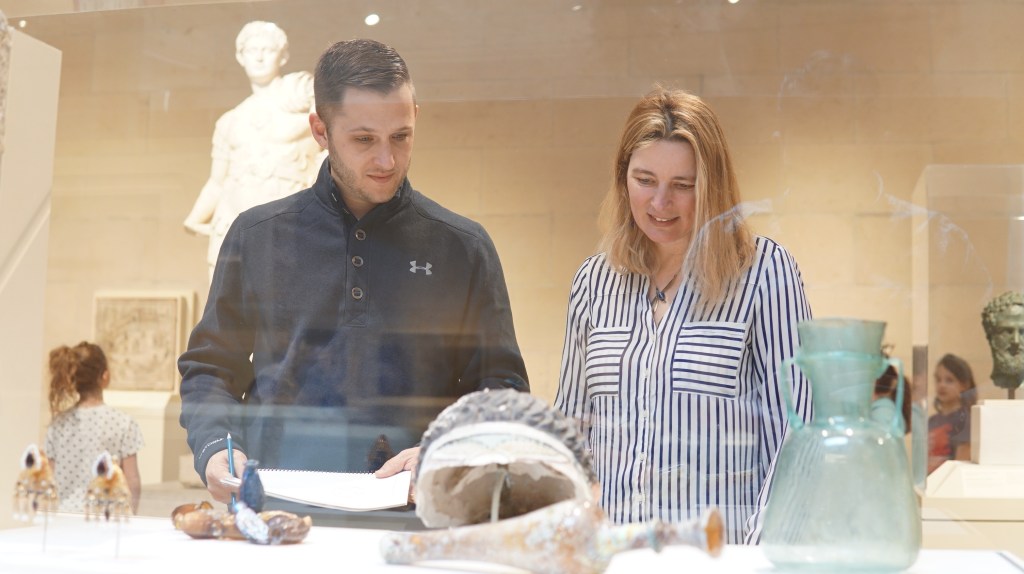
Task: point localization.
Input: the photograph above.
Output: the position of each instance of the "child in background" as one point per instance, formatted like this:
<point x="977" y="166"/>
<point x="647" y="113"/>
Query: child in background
<point x="83" y="426"/>
<point x="949" y="429"/>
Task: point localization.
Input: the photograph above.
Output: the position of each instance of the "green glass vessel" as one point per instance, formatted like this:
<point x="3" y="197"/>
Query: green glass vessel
<point x="842" y="499"/>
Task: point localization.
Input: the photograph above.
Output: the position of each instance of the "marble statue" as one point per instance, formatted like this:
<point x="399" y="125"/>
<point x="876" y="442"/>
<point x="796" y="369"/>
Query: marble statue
<point x="262" y="149"/>
<point x="1003" y="320"/>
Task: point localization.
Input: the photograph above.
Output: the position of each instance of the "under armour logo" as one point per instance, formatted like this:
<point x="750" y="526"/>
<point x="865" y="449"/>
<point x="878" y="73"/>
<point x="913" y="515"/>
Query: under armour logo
<point x="426" y="268"/>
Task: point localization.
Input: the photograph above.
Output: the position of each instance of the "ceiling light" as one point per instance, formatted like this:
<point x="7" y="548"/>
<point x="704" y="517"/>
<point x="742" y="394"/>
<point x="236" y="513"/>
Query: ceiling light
<point x="372" y="20"/>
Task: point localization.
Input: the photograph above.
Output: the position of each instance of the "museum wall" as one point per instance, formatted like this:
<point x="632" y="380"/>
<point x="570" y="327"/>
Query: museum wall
<point x="29" y="78"/>
<point x="833" y="110"/>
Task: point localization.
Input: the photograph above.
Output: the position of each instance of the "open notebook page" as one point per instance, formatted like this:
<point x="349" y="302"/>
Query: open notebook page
<point x="339" y="490"/>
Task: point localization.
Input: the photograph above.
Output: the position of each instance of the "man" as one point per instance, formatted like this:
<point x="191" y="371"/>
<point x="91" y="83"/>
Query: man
<point x="1003" y="320"/>
<point x="262" y="149"/>
<point x="365" y="306"/>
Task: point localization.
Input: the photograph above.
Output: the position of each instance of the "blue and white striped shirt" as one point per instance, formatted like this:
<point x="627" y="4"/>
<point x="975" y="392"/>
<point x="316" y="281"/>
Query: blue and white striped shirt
<point x="687" y="413"/>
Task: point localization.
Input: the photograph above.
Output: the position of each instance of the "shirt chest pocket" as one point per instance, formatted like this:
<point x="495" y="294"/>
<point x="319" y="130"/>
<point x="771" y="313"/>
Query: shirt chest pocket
<point x="706" y="358"/>
<point x="605" y="350"/>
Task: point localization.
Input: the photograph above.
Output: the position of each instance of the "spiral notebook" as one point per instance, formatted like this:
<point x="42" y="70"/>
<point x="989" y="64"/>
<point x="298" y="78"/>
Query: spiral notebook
<point x="357" y="492"/>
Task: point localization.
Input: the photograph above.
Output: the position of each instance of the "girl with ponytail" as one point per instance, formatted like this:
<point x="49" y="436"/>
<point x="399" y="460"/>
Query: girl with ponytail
<point x="83" y="426"/>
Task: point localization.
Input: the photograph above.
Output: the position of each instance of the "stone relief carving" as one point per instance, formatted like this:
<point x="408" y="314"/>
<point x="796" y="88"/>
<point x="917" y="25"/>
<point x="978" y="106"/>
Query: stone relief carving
<point x="262" y="149"/>
<point x="142" y="334"/>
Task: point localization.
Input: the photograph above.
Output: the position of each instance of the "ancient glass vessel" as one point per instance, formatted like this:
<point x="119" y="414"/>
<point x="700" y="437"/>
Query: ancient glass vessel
<point x="842" y="497"/>
<point x="568" y="537"/>
<point x="504" y="478"/>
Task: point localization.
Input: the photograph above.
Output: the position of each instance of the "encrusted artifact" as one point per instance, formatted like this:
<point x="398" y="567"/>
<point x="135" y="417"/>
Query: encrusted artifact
<point x="243" y="521"/>
<point x="570" y="537"/>
<point x="35" y="490"/>
<point x="200" y="520"/>
<point x="508" y="457"/>
<point x="497" y="454"/>
<point x="108" y="494"/>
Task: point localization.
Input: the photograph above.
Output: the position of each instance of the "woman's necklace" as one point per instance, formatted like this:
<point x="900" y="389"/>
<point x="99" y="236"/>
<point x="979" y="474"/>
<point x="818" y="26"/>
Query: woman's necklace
<point x="659" y="294"/>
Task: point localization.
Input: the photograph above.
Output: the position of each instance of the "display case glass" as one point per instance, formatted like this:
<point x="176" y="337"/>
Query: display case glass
<point x="880" y="143"/>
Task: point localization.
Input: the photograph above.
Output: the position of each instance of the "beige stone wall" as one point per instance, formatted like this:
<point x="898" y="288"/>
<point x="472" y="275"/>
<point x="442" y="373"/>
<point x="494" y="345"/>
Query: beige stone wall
<point x="29" y="75"/>
<point x="833" y="108"/>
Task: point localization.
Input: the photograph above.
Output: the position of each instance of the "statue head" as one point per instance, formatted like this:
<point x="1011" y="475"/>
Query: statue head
<point x="1003" y="320"/>
<point x="262" y="50"/>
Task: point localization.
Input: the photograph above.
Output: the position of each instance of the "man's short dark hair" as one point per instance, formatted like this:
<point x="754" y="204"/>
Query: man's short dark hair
<point x="360" y="63"/>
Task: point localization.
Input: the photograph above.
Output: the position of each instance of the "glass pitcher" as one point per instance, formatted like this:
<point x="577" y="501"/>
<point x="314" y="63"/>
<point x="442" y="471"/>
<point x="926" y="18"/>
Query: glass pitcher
<point x="842" y="497"/>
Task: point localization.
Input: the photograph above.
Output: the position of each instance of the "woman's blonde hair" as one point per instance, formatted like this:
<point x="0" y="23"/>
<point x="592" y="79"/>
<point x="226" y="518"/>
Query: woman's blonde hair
<point x="722" y="245"/>
<point x="75" y="372"/>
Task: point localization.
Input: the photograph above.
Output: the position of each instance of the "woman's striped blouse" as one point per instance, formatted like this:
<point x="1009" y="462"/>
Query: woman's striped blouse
<point x="687" y="413"/>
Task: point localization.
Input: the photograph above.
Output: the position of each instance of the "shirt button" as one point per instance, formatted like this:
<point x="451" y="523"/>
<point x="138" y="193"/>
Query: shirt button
<point x="360" y="234"/>
<point x="357" y="293"/>
<point x="642" y="457"/>
<point x="357" y="261"/>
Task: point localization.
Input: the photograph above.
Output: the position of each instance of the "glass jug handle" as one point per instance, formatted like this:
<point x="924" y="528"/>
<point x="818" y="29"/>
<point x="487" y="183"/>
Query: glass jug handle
<point x="787" y="392"/>
<point x="897" y="421"/>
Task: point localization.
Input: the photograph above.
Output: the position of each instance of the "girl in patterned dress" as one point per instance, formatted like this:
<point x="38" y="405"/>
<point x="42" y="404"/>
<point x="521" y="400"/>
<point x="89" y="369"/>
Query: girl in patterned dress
<point x="83" y="426"/>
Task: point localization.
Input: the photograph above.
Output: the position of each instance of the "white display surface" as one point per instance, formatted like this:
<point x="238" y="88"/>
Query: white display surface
<point x="152" y="546"/>
<point x="961" y="480"/>
<point x="969" y="505"/>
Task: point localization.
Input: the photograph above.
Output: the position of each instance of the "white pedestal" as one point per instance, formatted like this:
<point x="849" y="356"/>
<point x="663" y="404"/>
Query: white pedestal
<point x="995" y="432"/>
<point x="968" y="505"/>
<point x="157" y="413"/>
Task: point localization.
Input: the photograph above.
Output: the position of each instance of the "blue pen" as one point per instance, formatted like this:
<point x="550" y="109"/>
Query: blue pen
<point x="231" y="466"/>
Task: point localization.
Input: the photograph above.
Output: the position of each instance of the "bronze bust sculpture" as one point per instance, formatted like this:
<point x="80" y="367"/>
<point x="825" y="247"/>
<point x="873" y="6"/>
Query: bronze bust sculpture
<point x="1003" y="320"/>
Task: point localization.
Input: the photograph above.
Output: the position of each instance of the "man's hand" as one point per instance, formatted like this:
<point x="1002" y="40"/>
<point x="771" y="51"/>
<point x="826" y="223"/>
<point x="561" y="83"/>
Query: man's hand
<point x="405" y="460"/>
<point x="217" y="468"/>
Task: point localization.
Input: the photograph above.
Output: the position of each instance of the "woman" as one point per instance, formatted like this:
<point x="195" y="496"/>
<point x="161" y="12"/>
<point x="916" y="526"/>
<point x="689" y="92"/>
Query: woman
<point x="84" y="426"/>
<point x="677" y="330"/>
<point x="949" y="429"/>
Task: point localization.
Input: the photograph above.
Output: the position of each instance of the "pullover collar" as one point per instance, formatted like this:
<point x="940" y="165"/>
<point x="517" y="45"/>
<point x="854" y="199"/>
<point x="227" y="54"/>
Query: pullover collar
<point x="328" y="194"/>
